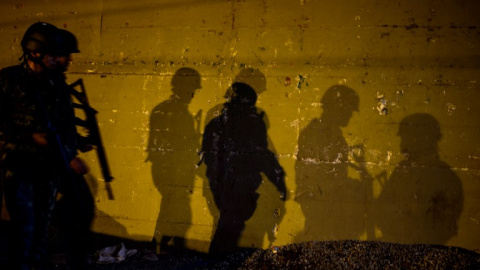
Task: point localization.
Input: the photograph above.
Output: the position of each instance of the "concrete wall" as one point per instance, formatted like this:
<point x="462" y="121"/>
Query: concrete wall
<point x="413" y="64"/>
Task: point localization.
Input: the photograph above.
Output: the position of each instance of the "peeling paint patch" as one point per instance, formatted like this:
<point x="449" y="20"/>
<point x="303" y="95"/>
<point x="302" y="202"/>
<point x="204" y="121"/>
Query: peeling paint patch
<point x="389" y="156"/>
<point x="295" y="123"/>
<point x="400" y="93"/>
<point x="382" y="104"/>
<point x="311" y="160"/>
<point x="337" y="160"/>
<point x="275" y="230"/>
<point x="450" y="108"/>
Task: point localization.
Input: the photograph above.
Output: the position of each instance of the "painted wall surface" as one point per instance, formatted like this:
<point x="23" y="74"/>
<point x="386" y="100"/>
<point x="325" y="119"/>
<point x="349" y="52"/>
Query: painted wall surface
<point x="371" y="108"/>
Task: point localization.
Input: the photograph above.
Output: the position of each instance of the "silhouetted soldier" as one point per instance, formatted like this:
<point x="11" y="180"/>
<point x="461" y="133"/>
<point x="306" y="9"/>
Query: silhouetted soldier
<point x="75" y="209"/>
<point x="423" y="198"/>
<point x="33" y="100"/>
<point x="263" y="224"/>
<point x="172" y="150"/>
<point x="235" y="150"/>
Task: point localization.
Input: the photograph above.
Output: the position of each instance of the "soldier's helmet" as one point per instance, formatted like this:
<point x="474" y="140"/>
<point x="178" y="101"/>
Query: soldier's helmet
<point x="243" y="94"/>
<point x="420" y="128"/>
<point x="39" y="37"/>
<point x="340" y="97"/>
<point x="65" y="43"/>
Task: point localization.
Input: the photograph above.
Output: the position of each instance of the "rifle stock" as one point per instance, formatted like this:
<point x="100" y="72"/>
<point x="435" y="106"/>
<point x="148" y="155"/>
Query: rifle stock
<point x="94" y="137"/>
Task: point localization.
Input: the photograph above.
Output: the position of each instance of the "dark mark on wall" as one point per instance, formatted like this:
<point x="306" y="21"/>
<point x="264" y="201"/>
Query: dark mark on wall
<point x="412" y="26"/>
<point x="301" y="80"/>
<point x="388" y="26"/>
<point x="428" y="27"/>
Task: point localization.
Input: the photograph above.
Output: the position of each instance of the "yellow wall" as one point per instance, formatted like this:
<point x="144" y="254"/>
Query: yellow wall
<point x="415" y="56"/>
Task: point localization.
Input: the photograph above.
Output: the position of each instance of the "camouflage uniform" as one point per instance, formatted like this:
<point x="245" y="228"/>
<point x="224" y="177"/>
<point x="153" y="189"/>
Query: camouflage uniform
<point x="31" y="172"/>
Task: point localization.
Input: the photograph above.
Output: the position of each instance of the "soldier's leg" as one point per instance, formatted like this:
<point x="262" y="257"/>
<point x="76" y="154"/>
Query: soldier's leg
<point x="19" y="203"/>
<point x="75" y="214"/>
<point x="45" y="191"/>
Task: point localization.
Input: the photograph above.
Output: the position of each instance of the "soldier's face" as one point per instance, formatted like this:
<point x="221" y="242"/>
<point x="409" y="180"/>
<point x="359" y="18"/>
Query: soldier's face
<point x="50" y="61"/>
<point x="63" y="62"/>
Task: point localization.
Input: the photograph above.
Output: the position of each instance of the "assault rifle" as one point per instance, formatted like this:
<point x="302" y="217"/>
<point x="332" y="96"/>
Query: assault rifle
<point x="59" y="146"/>
<point x="90" y="123"/>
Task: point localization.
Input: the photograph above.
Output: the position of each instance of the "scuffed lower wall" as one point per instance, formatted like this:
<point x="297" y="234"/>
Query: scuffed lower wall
<point x="371" y="109"/>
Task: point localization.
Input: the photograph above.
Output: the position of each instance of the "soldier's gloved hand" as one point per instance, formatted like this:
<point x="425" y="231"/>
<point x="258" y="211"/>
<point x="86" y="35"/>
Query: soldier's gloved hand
<point x="78" y="166"/>
<point x="84" y="144"/>
<point x="40" y="138"/>
<point x="86" y="148"/>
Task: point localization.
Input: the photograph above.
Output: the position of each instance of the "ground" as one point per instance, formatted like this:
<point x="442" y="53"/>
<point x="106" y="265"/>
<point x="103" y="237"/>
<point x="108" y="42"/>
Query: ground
<point x="315" y="255"/>
<point x="309" y="255"/>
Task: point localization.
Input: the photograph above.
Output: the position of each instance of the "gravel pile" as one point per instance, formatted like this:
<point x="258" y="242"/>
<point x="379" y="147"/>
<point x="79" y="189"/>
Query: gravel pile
<point x="362" y="255"/>
<point x="317" y="255"/>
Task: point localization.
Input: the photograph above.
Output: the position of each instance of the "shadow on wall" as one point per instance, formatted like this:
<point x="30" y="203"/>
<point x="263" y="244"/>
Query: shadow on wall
<point x="420" y="203"/>
<point x="333" y="204"/>
<point x="235" y="151"/>
<point x="109" y="225"/>
<point x="423" y="199"/>
<point x="172" y="147"/>
<point x="112" y="232"/>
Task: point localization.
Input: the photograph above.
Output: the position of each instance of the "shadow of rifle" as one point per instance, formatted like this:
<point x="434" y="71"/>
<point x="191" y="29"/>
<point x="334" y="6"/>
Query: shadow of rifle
<point x="358" y="154"/>
<point x="93" y="138"/>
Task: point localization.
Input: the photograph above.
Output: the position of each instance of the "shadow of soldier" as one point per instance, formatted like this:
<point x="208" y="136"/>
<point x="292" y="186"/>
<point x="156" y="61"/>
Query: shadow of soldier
<point x="422" y="200"/>
<point x="172" y="149"/>
<point x="332" y="203"/>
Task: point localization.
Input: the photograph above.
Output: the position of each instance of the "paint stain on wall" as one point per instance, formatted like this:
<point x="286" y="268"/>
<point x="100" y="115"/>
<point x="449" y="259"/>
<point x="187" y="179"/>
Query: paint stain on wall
<point x="382" y="104"/>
